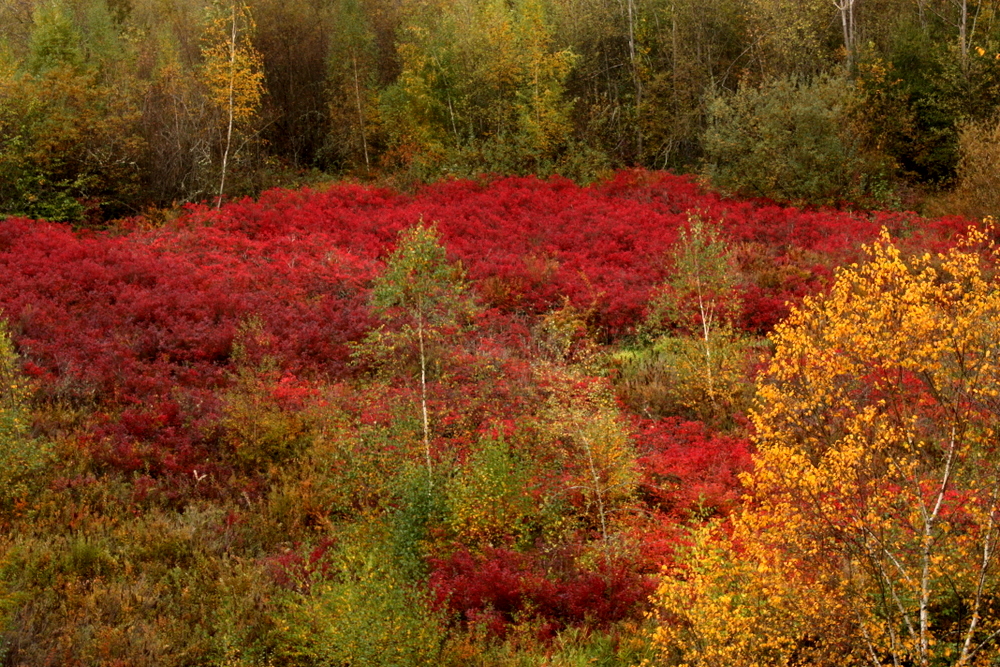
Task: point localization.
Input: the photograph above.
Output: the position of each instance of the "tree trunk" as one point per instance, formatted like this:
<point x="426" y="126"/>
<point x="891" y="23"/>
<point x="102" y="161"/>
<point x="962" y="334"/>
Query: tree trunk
<point x="423" y="405"/>
<point x="231" y="109"/>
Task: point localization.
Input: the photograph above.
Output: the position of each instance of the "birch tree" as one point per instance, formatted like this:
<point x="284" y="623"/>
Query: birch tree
<point x="876" y="486"/>
<point x="422" y="300"/>
<point x="234" y="76"/>
<point x="694" y="315"/>
<point x="846" y="10"/>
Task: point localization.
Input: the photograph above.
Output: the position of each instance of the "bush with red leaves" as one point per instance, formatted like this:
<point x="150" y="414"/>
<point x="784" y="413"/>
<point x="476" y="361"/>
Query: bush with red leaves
<point x="499" y="586"/>
<point x="687" y="470"/>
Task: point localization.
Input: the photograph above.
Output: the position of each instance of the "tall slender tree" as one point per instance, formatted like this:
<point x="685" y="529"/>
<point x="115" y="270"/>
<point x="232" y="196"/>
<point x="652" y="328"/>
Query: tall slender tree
<point x="234" y="76"/>
<point x="422" y="300"/>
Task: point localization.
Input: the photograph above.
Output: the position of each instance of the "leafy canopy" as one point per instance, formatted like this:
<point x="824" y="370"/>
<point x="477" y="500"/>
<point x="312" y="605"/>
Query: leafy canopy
<point x="873" y="516"/>
<point x="419" y="287"/>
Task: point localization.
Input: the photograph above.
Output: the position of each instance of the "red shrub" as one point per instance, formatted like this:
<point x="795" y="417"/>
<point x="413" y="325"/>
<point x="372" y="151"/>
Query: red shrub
<point x="687" y="470"/>
<point x="499" y="586"/>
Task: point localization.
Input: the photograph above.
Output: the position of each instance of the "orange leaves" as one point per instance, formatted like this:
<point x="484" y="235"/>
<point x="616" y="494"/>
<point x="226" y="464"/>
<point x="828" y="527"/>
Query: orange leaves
<point x="884" y="389"/>
<point x="737" y="604"/>
<point x="875" y="484"/>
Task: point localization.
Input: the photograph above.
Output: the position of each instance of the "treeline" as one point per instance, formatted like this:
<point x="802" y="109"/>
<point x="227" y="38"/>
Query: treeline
<point x="108" y="107"/>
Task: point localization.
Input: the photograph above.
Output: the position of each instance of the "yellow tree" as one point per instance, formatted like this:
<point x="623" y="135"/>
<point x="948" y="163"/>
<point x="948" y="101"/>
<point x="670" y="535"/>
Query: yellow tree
<point x="876" y="486"/>
<point x="234" y="76"/>
<point x="701" y="299"/>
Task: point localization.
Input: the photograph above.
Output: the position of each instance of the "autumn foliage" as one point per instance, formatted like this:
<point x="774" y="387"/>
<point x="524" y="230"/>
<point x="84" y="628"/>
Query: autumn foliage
<point x="870" y="529"/>
<point x="311" y="425"/>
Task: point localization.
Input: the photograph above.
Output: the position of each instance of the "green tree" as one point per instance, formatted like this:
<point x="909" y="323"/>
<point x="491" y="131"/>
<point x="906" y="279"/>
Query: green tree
<point x="792" y="37"/>
<point x="180" y="127"/>
<point x="689" y="47"/>
<point x="481" y="89"/>
<point x="700" y="296"/>
<point x="794" y="140"/>
<point x="582" y="420"/>
<point x="54" y="41"/>
<point x="423" y="300"/>
<point x="363" y="612"/>
<point x="698" y="361"/>
<point x="489" y="498"/>
<point x="977" y="191"/>
<point x="67" y="140"/>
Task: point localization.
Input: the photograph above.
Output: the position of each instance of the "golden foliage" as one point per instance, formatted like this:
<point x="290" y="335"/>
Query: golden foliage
<point x="873" y="506"/>
<point x="234" y="75"/>
<point x="739" y="601"/>
<point x="233" y="70"/>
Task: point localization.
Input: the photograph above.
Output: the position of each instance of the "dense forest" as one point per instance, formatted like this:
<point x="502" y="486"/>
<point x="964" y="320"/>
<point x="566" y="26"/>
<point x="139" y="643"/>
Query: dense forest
<point x="109" y="108"/>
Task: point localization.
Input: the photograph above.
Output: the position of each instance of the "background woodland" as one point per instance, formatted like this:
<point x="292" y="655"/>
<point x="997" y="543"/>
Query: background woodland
<point x="109" y="108"/>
